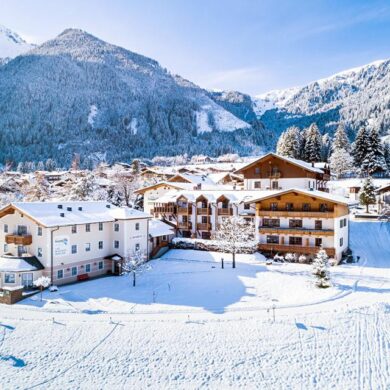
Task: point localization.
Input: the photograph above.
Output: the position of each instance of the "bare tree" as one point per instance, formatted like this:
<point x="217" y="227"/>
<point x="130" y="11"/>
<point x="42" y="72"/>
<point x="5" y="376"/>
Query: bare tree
<point x="233" y="234"/>
<point x="134" y="263"/>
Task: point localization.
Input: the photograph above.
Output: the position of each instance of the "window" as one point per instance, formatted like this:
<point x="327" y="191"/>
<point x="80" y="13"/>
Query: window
<point x="275" y="185"/>
<point x="74" y="271"/>
<point x="247" y="206"/>
<point x="318" y="225"/>
<point x="87" y="267"/>
<point x="88" y="227"/>
<point x="184" y="218"/>
<point x="295" y="223"/>
<point x="274" y="207"/>
<point x="137" y="226"/>
<point x="295" y="240"/>
<point x="267" y="222"/>
<point x="318" y="241"/>
<point x="204" y="219"/>
<point x="22" y="230"/>
<point x="100" y="226"/>
<point x="9" y="278"/>
<point x="323" y="207"/>
<point x="5" y="248"/>
<point x="341" y="223"/>
<point x="39" y="231"/>
<point x="60" y="274"/>
<point x="74" y="229"/>
<point x="341" y="241"/>
<point x="5" y="228"/>
<point x="116" y="244"/>
<point x="116" y="227"/>
<point x="39" y="252"/>
<point x="101" y="265"/>
<point x="74" y="249"/>
<point x="100" y="244"/>
<point x="289" y="206"/>
<point x="306" y="207"/>
<point x="257" y="171"/>
<point x="257" y="184"/>
<point x="272" y="239"/>
<point x="164" y="238"/>
<point x="88" y="247"/>
<point x="137" y="247"/>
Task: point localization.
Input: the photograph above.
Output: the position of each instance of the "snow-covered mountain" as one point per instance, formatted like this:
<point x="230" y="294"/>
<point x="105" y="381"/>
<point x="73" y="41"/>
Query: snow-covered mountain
<point x="356" y="96"/>
<point x="11" y="44"/>
<point x="86" y="96"/>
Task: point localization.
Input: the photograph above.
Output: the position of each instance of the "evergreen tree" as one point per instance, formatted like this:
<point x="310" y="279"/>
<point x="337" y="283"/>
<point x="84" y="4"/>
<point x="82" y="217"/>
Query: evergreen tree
<point x="386" y="155"/>
<point x="313" y="144"/>
<point x="367" y="193"/>
<point x="321" y="269"/>
<point x="289" y="143"/>
<point x="340" y="140"/>
<point x="50" y="165"/>
<point x="340" y="161"/>
<point x="360" y="146"/>
<point x="374" y="161"/>
<point x="40" y="166"/>
<point x="326" y="147"/>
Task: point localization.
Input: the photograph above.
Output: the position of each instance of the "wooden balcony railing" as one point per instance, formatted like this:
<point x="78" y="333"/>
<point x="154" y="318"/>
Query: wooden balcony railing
<point x="25" y="239"/>
<point x="203" y="226"/>
<point x="225" y="211"/>
<point x="291" y="230"/>
<point x="203" y="211"/>
<point x="184" y="210"/>
<point x="298" y="214"/>
<point x="295" y="249"/>
<point x="164" y="209"/>
<point x="275" y="175"/>
<point x="185" y="225"/>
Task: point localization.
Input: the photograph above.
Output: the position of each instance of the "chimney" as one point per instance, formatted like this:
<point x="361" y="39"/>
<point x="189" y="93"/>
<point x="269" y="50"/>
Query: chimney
<point x="80" y="208"/>
<point x="60" y="206"/>
<point x="69" y="208"/>
<point x="62" y="215"/>
<point x="108" y="206"/>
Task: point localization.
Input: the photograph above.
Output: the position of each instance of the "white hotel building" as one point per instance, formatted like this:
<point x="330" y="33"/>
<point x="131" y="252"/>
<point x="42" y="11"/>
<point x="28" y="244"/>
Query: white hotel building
<point x="69" y="241"/>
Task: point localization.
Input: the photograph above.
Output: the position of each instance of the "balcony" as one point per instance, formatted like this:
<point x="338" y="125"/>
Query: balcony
<point x="225" y="211"/>
<point x="203" y="211"/>
<point x="25" y="239"/>
<point x="297" y="230"/>
<point x="312" y="250"/>
<point x="275" y="175"/>
<point x="185" y="225"/>
<point x="298" y="214"/>
<point x="184" y="210"/>
<point x="203" y="226"/>
<point x="164" y="210"/>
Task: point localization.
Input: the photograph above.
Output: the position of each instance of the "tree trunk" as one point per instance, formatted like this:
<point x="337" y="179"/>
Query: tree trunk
<point x="367" y="208"/>
<point x="234" y="259"/>
<point x="133" y="279"/>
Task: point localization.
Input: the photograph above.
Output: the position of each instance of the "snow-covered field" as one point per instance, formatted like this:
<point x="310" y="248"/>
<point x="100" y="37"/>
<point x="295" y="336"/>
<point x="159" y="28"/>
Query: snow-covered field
<point x="190" y="324"/>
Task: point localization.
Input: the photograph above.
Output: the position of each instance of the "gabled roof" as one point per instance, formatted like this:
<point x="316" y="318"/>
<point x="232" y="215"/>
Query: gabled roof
<point x="159" y="228"/>
<point x="49" y="214"/>
<point x="317" y="194"/>
<point x="190" y="178"/>
<point x="176" y="185"/>
<point x="299" y="163"/>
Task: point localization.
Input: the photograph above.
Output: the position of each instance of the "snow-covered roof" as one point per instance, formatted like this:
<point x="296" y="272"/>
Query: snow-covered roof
<point x="302" y="164"/>
<point x="52" y="214"/>
<point x="128" y="213"/>
<point x="195" y="179"/>
<point x="19" y="264"/>
<point x="185" y="186"/>
<point x="159" y="228"/>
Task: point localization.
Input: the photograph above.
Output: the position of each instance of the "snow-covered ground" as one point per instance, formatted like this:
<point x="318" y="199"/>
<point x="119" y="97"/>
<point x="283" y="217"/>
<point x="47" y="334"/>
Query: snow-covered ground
<point x="190" y="324"/>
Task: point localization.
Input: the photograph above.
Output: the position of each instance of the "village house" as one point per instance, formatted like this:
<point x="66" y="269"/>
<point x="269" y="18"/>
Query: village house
<point x="302" y="221"/>
<point x="70" y="241"/>
<point x="275" y="172"/>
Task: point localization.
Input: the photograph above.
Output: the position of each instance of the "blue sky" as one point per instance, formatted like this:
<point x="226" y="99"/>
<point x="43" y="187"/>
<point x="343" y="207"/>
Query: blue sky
<point x="247" y="45"/>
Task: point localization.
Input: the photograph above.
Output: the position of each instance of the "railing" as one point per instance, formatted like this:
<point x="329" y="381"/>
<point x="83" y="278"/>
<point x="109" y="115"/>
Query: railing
<point x="25" y="239"/>
<point x="225" y="211"/>
<point x="203" y="211"/>
<point x="275" y="175"/>
<point x="299" y="214"/>
<point x="164" y="209"/>
<point x="295" y="249"/>
<point x="185" y="225"/>
<point x="203" y="226"/>
<point x="296" y="230"/>
<point x="184" y="210"/>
